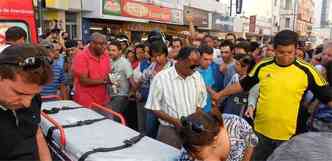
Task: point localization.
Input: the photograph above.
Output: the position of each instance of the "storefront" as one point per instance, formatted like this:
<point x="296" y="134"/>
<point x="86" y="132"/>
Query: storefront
<point x="63" y="16"/>
<point x="135" y="19"/>
<point x="222" y="23"/>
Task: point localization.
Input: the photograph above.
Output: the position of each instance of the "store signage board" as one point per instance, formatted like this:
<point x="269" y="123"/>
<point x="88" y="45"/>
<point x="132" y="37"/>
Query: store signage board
<point x="134" y="9"/>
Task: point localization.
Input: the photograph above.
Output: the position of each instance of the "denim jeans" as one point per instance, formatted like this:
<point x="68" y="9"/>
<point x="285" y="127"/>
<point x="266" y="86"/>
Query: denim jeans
<point x="265" y="147"/>
<point x="151" y="124"/>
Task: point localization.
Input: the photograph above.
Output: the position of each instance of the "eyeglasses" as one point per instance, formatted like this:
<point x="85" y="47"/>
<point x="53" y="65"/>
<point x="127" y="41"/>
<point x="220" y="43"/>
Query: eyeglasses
<point x="28" y="63"/>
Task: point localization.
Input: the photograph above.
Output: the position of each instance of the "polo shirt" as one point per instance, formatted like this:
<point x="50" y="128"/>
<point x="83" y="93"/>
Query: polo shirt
<point x="85" y="63"/>
<point x="280" y="93"/>
<point x="18" y="132"/>
<point x="176" y="96"/>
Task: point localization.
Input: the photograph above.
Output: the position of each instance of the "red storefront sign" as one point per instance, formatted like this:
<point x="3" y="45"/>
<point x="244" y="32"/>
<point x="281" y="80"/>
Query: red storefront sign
<point x="16" y="8"/>
<point x="134" y="9"/>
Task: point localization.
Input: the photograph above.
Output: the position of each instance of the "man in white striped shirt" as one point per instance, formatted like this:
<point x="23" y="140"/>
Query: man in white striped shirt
<point x="175" y="92"/>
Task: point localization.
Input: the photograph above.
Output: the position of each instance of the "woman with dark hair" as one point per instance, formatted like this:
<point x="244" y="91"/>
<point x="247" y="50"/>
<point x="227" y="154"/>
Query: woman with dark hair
<point x="215" y="137"/>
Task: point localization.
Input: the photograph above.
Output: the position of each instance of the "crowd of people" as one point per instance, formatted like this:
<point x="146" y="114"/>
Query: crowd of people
<point x="214" y="99"/>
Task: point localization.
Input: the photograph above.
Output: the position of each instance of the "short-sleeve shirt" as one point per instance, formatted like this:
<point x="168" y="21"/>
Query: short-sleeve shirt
<point x="207" y="75"/>
<point x="218" y="77"/>
<point x="147" y="77"/>
<point x="241" y="137"/>
<point x="58" y="78"/>
<point x="176" y="96"/>
<point x="85" y="63"/>
<point x="122" y="68"/>
<point x="280" y="93"/>
<point x="229" y="73"/>
<point x="18" y="132"/>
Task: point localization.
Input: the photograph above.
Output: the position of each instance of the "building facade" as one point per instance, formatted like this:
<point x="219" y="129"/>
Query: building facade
<point x="63" y="15"/>
<point x="297" y="15"/>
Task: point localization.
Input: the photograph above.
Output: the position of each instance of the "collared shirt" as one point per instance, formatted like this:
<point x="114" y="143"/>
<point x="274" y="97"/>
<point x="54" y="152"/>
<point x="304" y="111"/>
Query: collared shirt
<point x="281" y="88"/>
<point x="18" y="132"/>
<point x="176" y="96"/>
<point x="147" y="77"/>
<point x="3" y="108"/>
<point x="85" y="63"/>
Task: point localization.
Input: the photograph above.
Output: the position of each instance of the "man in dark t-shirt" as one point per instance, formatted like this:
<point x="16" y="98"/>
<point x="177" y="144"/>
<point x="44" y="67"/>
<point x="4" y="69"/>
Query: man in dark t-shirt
<point x="23" y="70"/>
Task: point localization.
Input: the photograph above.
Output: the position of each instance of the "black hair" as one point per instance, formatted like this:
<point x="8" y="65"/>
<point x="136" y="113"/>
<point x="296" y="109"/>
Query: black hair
<point x="204" y="49"/>
<point x="285" y="38"/>
<point x="231" y="34"/>
<point x="177" y="39"/>
<point x="319" y="49"/>
<point x="15" y="53"/>
<point x="185" y="52"/>
<point x="209" y="36"/>
<point x="64" y="33"/>
<point x="15" y="33"/>
<point x="156" y="35"/>
<point x="200" y="129"/>
<point x="241" y="39"/>
<point x="142" y="46"/>
<point x="158" y="47"/>
<point x="227" y="43"/>
<point x="116" y="43"/>
<point x="253" y="46"/>
<point x="243" y="45"/>
<point x="247" y="60"/>
<point x="70" y="44"/>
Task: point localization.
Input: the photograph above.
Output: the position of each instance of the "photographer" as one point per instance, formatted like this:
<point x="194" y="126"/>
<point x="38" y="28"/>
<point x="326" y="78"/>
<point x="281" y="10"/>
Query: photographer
<point x="24" y="70"/>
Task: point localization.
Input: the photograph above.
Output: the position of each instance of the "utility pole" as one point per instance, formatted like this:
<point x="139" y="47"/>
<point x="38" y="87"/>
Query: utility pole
<point x="294" y="13"/>
<point x="40" y="17"/>
<point x="230" y="8"/>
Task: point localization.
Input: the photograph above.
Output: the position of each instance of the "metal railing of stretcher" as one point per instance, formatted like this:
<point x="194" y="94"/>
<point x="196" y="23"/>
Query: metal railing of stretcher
<point x="60" y="127"/>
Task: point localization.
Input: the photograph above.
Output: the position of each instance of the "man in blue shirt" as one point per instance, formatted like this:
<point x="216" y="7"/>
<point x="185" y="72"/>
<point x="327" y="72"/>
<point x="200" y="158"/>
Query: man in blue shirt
<point x="58" y="83"/>
<point x="206" y="72"/>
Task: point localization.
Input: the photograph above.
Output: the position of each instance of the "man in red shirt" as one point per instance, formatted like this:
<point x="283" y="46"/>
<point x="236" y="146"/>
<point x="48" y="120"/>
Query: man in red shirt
<point x="91" y="67"/>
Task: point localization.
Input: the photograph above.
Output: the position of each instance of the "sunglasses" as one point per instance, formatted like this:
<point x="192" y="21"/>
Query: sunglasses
<point x="196" y="126"/>
<point x="28" y="63"/>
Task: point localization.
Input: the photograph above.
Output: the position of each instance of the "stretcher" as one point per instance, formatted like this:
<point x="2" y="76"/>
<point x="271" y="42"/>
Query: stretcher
<point x="76" y="133"/>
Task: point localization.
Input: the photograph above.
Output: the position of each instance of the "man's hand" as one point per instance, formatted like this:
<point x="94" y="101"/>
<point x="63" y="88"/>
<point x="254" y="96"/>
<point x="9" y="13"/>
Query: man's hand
<point x="216" y="96"/>
<point x="250" y="112"/>
<point x="330" y="104"/>
<point x="177" y="124"/>
<point x="223" y="68"/>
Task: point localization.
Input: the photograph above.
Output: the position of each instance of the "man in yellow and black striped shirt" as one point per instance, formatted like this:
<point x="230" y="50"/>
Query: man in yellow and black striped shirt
<point x="283" y="81"/>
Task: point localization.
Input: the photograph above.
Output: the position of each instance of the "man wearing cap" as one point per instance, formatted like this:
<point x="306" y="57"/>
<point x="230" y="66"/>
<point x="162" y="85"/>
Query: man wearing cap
<point x="23" y="70"/>
<point x="57" y="87"/>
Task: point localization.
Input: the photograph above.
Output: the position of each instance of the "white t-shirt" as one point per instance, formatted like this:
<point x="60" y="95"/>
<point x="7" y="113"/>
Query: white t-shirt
<point x="3" y="47"/>
<point x="217" y="56"/>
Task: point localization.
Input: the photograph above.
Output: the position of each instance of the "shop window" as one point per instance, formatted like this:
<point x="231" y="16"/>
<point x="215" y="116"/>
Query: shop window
<point x="287" y="22"/>
<point x="71" y="25"/>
